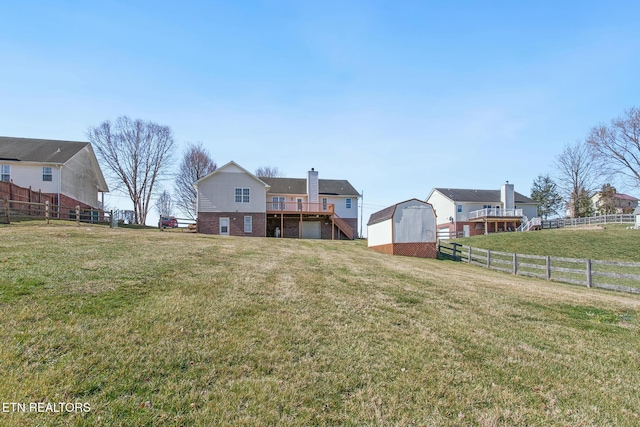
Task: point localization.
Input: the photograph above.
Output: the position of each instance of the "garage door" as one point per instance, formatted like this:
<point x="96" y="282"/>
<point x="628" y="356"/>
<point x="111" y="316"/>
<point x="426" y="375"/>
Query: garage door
<point x="311" y="229"/>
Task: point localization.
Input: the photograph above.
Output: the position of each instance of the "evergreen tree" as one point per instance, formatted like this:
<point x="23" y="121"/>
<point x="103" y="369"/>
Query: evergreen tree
<point x="546" y="193"/>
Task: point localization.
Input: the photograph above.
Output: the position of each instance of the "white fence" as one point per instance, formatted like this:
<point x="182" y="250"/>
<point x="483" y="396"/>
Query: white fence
<point x="592" y="220"/>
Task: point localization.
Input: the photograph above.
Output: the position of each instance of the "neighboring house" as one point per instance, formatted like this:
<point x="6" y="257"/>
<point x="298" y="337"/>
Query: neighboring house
<point x="407" y="228"/>
<point x="232" y="201"/>
<point x="622" y="203"/>
<point x="467" y="212"/>
<point x="66" y="170"/>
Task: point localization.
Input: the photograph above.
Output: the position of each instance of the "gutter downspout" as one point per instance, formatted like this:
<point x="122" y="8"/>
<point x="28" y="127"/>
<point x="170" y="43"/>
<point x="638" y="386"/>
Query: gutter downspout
<point x="59" y="187"/>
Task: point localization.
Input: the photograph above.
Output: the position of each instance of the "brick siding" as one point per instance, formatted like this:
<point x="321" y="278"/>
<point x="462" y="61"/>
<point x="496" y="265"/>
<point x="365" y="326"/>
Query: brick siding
<point x="419" y="250"/>
<point x="209" y="223"/>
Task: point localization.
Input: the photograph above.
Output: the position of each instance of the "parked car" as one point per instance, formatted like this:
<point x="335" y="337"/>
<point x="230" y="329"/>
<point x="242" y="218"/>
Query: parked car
<point x="168" y="222"/>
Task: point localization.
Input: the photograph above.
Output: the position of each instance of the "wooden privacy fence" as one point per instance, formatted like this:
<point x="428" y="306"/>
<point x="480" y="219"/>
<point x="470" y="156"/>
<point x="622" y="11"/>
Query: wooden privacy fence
<point x="16" y="210"/>
<point x="612" y="275"/>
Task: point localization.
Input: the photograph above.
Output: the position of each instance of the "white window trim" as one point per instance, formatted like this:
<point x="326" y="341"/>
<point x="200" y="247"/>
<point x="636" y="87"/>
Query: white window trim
<point x="243" y="193"/>
<point x="5" y="171"/>
<point x="347" y="203"/>
<point x="49" y="174"/>
<point x="248" y="225"/>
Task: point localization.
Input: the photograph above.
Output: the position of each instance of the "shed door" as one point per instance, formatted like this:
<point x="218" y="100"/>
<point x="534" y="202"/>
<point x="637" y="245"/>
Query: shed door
<point x="311" y="229"/>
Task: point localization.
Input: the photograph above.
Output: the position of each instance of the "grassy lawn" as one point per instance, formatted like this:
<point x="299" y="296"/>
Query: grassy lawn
<point x="613" y="242"/>
<point x="181" y="329"/>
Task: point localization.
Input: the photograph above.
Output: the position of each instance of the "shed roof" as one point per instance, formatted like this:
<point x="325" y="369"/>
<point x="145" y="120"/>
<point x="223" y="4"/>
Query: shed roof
<point x="387" y="213"/>
<point x="328" y="187"/>
<point x="479" y="196"/>
<point x="38" y="150"/>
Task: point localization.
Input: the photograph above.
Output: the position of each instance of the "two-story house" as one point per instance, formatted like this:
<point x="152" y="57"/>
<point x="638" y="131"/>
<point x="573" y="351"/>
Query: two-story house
<point x="468" y="212"/>
<point x="66" y="170"/>
<point x="233" y="201"/>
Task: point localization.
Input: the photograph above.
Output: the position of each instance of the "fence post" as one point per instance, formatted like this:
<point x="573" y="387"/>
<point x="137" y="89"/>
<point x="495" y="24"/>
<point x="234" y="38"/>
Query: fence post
<point x="77" y="215"/>
<point x="589" y="277"/>
<point x="46" y="211"/>
<point x="488" y="258"/>
<point x="469" y="258"/>
<point x="6" y="210"/>
<point x="455" y="248"/>
<point x="548" y="267"/>
<point x="515" y="264"/>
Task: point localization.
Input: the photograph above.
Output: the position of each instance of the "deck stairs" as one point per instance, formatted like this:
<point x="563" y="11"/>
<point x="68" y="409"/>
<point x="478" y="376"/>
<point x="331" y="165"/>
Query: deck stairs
<point x="342" y="225"/>
<point x="530" y="224"/>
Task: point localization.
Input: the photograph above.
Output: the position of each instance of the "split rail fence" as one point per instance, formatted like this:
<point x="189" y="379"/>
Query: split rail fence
<point x="611" y="275"/>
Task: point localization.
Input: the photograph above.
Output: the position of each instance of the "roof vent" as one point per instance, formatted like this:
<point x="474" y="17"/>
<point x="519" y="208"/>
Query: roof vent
<point x="58" y="150"/>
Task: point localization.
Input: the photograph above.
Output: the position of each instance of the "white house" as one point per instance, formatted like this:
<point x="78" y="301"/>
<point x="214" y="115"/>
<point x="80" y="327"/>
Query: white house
<point x="406" y="228"/>
<point x="468" y="212"/>
<point x="67" y="170"/>
<point x="233" y="201"/>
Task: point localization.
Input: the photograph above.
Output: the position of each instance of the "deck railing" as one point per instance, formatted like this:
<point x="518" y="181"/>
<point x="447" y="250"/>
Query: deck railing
<point x="304" y="207"/>
<point x="495" y="212"/>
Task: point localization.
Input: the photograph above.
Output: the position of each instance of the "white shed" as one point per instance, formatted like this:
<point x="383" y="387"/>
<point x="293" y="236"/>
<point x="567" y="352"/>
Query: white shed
<point x="407" y="228"/>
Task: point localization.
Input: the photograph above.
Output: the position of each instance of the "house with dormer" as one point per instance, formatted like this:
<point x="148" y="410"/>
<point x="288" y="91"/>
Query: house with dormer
<point x="234" y="202"/>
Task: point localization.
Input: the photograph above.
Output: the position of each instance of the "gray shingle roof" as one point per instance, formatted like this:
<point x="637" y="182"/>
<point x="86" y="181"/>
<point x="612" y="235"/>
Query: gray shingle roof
<point x="479" y="196"/>
<point x="333" y="187"/>
<point x="386" y="213"/>
<point x="38" y="150"/>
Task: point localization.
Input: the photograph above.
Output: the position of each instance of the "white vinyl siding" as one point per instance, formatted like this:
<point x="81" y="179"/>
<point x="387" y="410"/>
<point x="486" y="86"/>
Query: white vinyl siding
<point x="380" y="233"/>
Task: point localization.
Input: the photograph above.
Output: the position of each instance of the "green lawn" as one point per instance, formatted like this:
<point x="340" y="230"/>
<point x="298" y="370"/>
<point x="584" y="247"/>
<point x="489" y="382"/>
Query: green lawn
<point x="613" y="242"/>
<point x="174" y="329"/>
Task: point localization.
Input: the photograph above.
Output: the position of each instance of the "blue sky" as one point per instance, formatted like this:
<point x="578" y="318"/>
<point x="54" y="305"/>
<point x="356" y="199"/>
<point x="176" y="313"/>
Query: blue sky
<point x="398" y="97"/>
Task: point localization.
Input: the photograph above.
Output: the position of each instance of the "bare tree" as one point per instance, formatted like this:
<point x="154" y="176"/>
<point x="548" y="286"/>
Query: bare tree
<point x="137" y="155"/>
<point x="618" y="146"/>
<point x="578" y="173"/>
<point x="196" y="164"/>
<point x="164" y="204"/>
<point x="269" y="172"/>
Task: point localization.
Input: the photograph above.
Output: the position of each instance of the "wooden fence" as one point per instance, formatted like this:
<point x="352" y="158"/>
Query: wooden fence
<point x="612" y="275"/>
<point x="16" y="210"/>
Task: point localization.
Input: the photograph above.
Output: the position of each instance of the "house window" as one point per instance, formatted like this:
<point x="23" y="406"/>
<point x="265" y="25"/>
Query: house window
<point x="348" y="203"/>
<point x="459" y="208"/>
<point x="47" y="174"/>
<point x="300" y="204"/>
<point x="248" y="224"/>
<point x="6" y="173"/>
<point x="242" y="195"/>
<point x="278" y="203"/>
<point x="324" y="203"/>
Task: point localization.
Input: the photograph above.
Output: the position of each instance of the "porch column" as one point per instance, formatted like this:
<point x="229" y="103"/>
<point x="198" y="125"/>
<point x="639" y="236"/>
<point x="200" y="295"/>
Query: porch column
<point x="282" y="225"/>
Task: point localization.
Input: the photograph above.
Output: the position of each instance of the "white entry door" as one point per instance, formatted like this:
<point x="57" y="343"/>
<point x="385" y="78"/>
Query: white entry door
<point x="466" y="230"/>
<point x="224" y="226"/>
